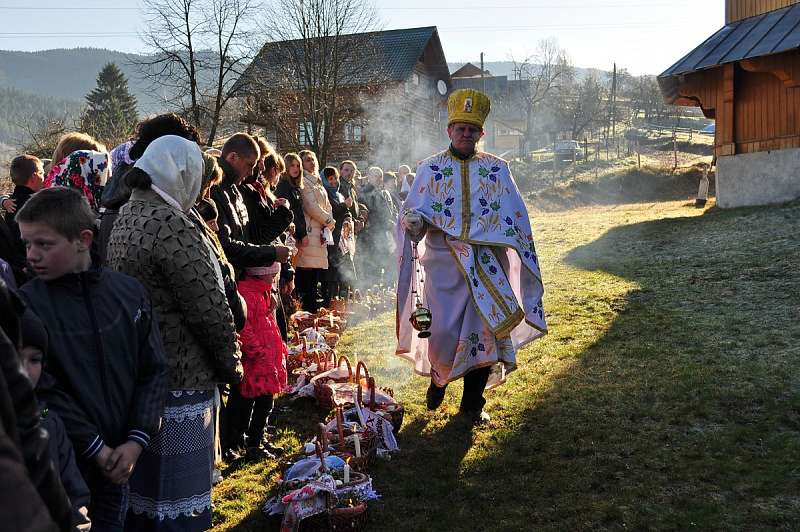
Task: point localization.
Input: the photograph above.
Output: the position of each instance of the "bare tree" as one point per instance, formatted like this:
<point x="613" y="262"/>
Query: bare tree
<point x="42" y="132"/>
<point x="173" y="35"/>
<point x="314" y="74"/>
<point x="539" y="76"/>
<point x="228" y="25"/>
<point x="578" y="104"/>
<point x="198" y="49"/>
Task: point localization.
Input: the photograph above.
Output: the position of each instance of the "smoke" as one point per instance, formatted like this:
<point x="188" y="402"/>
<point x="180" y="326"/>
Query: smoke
<point x="404" y="125"/>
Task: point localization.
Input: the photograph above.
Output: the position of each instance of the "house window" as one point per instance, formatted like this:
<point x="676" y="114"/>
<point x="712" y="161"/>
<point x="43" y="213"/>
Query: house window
<point x="305" y="133"/>
<point x="353" y="133"/>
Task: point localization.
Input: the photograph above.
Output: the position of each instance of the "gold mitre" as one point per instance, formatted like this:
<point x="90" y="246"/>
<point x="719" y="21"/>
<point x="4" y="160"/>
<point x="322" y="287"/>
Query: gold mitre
<point x="468" y="106"/>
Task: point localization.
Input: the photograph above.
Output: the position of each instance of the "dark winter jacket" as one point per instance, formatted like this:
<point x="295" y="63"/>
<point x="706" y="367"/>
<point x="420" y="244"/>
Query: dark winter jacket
<point x="233" y="225"/>
<point x="63" y="457"/>
<point x="267" y="221"/>
<point x="106" y="370"/>
<point x="382" y="213"/>
<point x="21" y="506"/>
<point x="9" y="252"/>
<point x="340" y="211"/>
<point x="295" y="197"/>
<point x="115" y="194"/>
<point x="162" y="248"/>
<point x="27" y="489"/>
<point x="348" y="190"/>
<point x="21" y="195"/>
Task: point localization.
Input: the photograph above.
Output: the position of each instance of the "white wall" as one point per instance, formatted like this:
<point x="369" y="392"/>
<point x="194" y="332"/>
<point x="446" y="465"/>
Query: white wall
<point x="761" y="178"/>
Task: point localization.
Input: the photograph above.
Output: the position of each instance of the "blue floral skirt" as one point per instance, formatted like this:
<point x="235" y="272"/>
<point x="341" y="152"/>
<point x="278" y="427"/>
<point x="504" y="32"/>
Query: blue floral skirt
<point x="171" y="485"/>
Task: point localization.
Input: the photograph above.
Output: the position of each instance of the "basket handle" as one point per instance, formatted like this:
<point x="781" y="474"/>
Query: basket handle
<point x="372" y="393"/>
<point x="349" y="367"/>
<point x="322" y="437"/>
<point x="330" y="360"/>
<point x="358" y="372"/>
<point x="340" y="425"/>
<point x="321" y="456"/>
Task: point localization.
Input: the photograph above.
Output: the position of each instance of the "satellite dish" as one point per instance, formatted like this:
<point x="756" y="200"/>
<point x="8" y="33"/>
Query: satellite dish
<point x="441" y="86"/>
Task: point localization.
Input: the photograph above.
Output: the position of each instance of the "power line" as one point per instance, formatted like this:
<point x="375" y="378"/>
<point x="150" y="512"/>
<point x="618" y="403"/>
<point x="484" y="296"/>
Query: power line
<point x="454" y="8"/>
<point x="620" y="25"/>
<point x="67" y="8"/>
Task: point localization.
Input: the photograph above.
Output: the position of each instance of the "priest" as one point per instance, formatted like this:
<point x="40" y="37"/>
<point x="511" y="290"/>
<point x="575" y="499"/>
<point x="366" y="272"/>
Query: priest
<point x="466" y="254"/>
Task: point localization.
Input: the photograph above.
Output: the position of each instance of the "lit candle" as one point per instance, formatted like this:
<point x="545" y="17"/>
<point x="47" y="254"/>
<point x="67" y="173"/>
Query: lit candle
<point x="357" y="442"/>
<point x="330" y="316"/>
<point x="346" y="474"/>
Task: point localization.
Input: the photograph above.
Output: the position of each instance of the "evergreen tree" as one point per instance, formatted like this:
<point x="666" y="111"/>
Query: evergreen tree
<point x="110" y="115"/>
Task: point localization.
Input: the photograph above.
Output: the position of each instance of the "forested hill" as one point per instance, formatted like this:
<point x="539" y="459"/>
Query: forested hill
<point x="68" y="74"/>
<point x="54" y="83"/>
<point x="19" y="108"/>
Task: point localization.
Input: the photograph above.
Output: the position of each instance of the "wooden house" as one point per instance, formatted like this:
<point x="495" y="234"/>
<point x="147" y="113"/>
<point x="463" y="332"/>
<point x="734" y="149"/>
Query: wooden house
<point x="393" y="111"/>
<point x="746" y="76"/>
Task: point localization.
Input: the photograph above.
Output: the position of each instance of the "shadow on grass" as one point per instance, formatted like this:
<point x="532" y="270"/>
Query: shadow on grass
<point x="684" y="413"/>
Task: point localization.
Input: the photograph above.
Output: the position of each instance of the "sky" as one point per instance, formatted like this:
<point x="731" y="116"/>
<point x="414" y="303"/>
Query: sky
<point x="644" y="36"/>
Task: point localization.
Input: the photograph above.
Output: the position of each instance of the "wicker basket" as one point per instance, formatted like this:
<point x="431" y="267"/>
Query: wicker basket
<point x="347" y="451"/>
<point x="394" y="411"/>
<point x="323" y="392"/>
<point x="351" y="519"/>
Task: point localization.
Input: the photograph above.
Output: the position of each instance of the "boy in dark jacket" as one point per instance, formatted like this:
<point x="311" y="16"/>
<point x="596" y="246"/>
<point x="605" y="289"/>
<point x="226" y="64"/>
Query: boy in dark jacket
<point x="106" y="374"/>
<point x="33" y="353"/>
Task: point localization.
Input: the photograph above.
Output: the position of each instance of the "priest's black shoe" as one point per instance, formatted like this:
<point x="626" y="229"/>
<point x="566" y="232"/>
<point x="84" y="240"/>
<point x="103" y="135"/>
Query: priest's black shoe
<point x="434" y="396"/>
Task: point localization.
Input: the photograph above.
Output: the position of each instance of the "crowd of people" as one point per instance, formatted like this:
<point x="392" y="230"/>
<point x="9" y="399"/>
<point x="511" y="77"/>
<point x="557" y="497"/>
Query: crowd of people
<point x="142" y="284"/>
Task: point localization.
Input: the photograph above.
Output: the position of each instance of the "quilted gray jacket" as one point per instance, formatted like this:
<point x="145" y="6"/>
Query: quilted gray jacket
<point x="161" y="247"/>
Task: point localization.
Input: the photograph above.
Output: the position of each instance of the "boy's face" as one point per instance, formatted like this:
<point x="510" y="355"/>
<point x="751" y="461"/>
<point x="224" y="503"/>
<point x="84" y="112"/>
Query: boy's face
<point x="213" y="225"/>
<point x="37" y="178"/>
<point x="32" y="359"/>
<point x="52" y="255"/>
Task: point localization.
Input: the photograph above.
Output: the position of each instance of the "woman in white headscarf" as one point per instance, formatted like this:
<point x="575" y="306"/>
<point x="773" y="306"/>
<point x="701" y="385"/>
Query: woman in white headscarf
<point x="155" y="241"/>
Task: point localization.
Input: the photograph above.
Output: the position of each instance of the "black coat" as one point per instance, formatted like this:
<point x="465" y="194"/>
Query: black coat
<point x="63" y="457"/>
<point x="267" y="221"/>
<point x="286" y="190"/>
<point x="33" y="496"/>
<point x="106" y="370"/>
<point x="233" y="220"/>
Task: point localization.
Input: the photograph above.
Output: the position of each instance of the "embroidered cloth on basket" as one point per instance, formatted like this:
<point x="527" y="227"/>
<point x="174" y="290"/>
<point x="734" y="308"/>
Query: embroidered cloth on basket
<point x="478" y="261"/>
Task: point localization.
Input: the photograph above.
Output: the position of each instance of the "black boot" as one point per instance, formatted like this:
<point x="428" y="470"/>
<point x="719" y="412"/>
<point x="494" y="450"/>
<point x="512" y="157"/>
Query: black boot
<point x="472" y="400"/>
<point x="435" y="396"/>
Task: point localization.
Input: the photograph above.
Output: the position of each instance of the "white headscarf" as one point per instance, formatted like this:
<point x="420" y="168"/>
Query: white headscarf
<point x="175" y="167"/>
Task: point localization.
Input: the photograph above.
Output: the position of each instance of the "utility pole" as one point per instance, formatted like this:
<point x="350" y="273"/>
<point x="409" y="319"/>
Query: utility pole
<point x="483" y="79"/>
<point x="614" y="107"/>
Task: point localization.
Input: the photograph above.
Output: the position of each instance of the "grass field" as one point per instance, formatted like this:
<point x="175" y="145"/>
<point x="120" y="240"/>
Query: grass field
<point x="666" y="396"/>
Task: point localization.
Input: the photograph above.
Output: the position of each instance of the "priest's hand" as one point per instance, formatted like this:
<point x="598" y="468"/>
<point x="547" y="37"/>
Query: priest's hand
<point x="413" y="223"/>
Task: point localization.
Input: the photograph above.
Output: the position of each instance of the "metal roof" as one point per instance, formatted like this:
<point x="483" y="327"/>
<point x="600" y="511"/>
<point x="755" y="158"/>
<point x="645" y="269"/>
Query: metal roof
<point x="771" y="33"/>
<point x="390" y="55"/>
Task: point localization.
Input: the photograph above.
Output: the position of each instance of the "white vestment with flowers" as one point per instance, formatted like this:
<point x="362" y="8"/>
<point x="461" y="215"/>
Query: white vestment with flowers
<point x="478" y="253"/>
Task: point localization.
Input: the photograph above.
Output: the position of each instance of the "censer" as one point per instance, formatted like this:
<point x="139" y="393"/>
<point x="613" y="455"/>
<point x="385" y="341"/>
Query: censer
<point x="421" y="317"/>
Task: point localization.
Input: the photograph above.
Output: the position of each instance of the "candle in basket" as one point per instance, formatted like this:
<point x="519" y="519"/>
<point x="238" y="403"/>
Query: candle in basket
<point x="346" y="474"/>
<point x="339" y="423"/>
